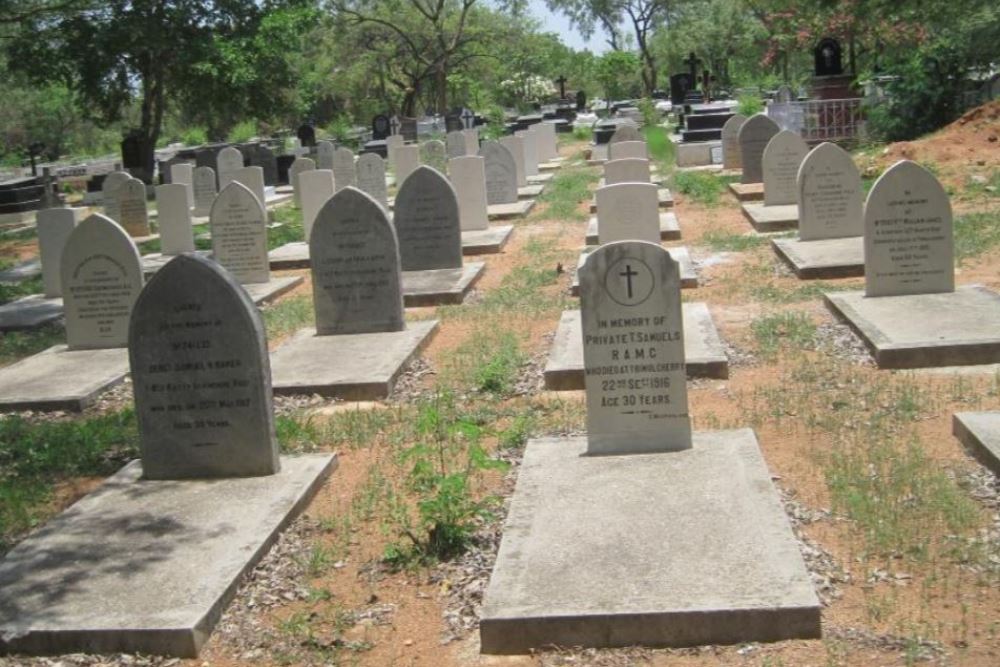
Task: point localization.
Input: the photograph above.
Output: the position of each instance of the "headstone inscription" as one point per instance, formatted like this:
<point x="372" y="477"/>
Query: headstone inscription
<point x="201" y="376"/>
<point x="357" y="284"/>
<point x="468" y="176"/>
<point x="182" y="173"/>
<point x="407" y="161"/>
<point x="753" y="138"/>
<point x="427" y="222"/>
<point x="829" y="195"/>
<point x="239" y="234"/>
<point x="132" y="212"/>
<point x="343" y="169"/>
<point x="626" y="170"/>
<point x="433" y="154"/>
<point x="456" y="144"/>
<point x="371" y="178"/>
<point x="317" y="187"/>
<point x="300" y="165"/>
<point x="628" y="211"/>
<point x="109" y="193"/>
<point x="626" y="132"/>
<point x="324" y="155"/>
<point x="501" y="173"/>
<point x="627" y="149"/>
<point x="909" y="243"/>
<point x="633" y="350"/>
<point x="204" y="190"/>
<point x="516" y="147"/>
<point x="176" y="236"/>
<point x="782" y="158"/>
<point x="101" y="275"/>
<point x="228" y="161"/>
<point x="54" y="227"/>
<point x="731" y="143"/>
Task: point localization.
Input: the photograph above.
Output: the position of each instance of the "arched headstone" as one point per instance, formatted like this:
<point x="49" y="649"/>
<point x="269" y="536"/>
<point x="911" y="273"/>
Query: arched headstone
<point x="407" y="160"/>
<point x="829" y="195"/>
<point x="343" y="169"/>
<point x="371" y="178"/>
<point x="109" y="193"/>
<point x="781" y="161"/>
<point x="626" y="132"/>
<point x="427" y="222"/>
<point x="228" y="162"/>
<point x="627" y="149"/>
<point x="324" y="155"/>
<point x="515" y="145"/>
<point x="239" y="234"/>
<point x="132" y="211"/>
<point x="501" y="173"/>
<point x="433" y="154"/>
<point x="204" y="190"/>
<point x="753" y="138"/>
<point x="626" y="170"/>
<point x="731" y="142"/>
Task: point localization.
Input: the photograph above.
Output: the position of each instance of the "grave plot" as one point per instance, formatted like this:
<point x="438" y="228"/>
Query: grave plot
<point x="468" y="177"/>
<point x="670" y="229"/>
<point x="627" y="204"/>
<point x="780" y="163"/>
<point x="831" y="224"/>
<point x="704" y="576"/>
<point x="180" y="528"/>
<point x="979" y="432"/>
<point x="101" y="276"/>
<point x="358" y="299"/>
<point x="631" y="165"/>
<point x="502" y="185"/>
<point x="910" y="314"/>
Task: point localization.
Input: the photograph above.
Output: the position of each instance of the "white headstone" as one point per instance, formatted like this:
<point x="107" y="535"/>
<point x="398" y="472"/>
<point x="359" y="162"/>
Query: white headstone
<point x="530" y="138"/>
<point x="627" y="149"/>
<point x="407" y="161"/>
<point x="781" y="161"/>
<point x="371" y="178"/>
<point x="731" y="142"/>
<point x="174" y="219"/>
<point x="132" y="211"/>
<point x="909" y="244"/>
<point x="427" y="222"/>
<point x="626" y="132"/>
<point x="468" y="176"/>
<point x="633" y="350"/>
<point x="300" y="165"/>
<point x="239" y="234"/>
<point x="455" y="142"/>
<point x="830" y="195"/>
<point x="343" y="169"/>
<point x="433" y="154"/>
<point x="54" y="227"/>
<point x="183" y="174"/>
<point x="204" y="190"/>
<point x="317" y="186"/>
<point x="471" y="141"/>
<point x="626" y="170"/>
<point x="253" y="178"/>
<point x="109" y="193"/>
<point x="753" y="137"/>
<point x="628" y="212"/>
<point x="324" y="155"/>
<point x="501" y="173"/>
<point x="393" y="142"/>
<point x="548" y="148"/>
<point x="515" y="145"/>
<point x="228" y="162"/>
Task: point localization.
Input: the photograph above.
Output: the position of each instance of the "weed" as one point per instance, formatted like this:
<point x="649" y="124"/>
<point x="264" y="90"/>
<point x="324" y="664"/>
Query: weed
<point x="298" y="433"/>
<point x="976" y="233"/>
<point x="12" y="291"/>
<point x="725" y="242"/>
<point x="19" y="344"/>
<point x="289" y="230"/>
<point x="583" y="133"/>
<point x="565" y="192"/>
<point x="488" y="362"/>
<point x="521" y="291"/>
<point x="789" y="329"/>
<point x="702" y="187"/>
<point x="288" y="315"/>
<point x="982" y="187"/>
<point x="516" y="435"/>
<point x="661" y="149"/>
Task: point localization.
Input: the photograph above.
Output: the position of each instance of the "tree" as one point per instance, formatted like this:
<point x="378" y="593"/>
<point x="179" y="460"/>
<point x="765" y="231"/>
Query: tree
<point x="614" y="70"/>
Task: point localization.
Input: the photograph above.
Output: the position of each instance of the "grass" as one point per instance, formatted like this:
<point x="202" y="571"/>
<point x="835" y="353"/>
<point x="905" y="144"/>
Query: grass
<point x="565" y="192"/>
<point x="726" y="242"/>
<point x="702" y="187"/>
<point x="19" y="344"/>
<point x="661" y="150"/>
<point x="773" y="333"/>
<point x="488" y="362"/>
<point x="288" y="315"/>
<point x="982" y="188"/>
<point x="976" y="233"/>
<point x="13" y="291"/>
<point x="291" y="229"/>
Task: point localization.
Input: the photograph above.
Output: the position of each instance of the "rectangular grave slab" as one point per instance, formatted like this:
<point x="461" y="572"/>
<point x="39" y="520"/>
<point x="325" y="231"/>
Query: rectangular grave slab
<point x="664" y="200"/>
<point x="549" y="166"/>
<point x="486" y="241"/>
<point x="957" y="328"/>
<point x="704" y="354"/>
<point x="155" y="261"/>
<point x="22" y="271"/>
<point x="530" y="191"/>
<point x="980" y="433"/>
<point x="367" y="368"/>
<point x="440" y="286"/>
<point x="30" y="312"/>
<point x="540" y="178"/>
<point x="61" y="379"/>
<point x="294" y="255"/>
<point x="262" y="293"/>
<point x="512" y="211"/>
<point x="771" y="218"/>
<point x="681" y="255"/>
<point x="747" y="191"/>
<point x="669" y="229"/>
<point x="827" y="258"/>
<point x="672" y="549"/>
<point x="169" y="559"/>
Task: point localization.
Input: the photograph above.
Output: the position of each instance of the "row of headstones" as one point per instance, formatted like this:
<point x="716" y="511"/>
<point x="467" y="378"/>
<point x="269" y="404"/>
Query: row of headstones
<point x="628" y="203"/>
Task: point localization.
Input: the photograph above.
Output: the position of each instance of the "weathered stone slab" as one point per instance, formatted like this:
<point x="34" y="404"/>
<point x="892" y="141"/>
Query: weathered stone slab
<point x="731" y="142"/>
<point x="239" y="234"/>
<point x="441" y="286"/>
<point x="300" y="165"/>
<point x="980" y="433"/>
<point x="771" y="218"/>
<point x="957" y="328"/>
<point x="392" y="143"/>
<point x="60" y="379"/>
<point x="704" y="353"/>
<point x="228" y="161"/>
<point x="316" y="186"/>
<point x="530" y="152"/>
<point x="54" y="227"/>
<point x="427" y="222"/>
<point x="530" y="191"/>
<point x="664" y="199"/>
<point x="782" y="158"/>
<point x="324" y="155"/>
<point x="501" y="173"/>
<point x="294" y="255"/>
<point x="371" y="178"/>
<point x="828" y="258"/>
<point x="724" y="569"/>
<point x="174" y="219"/>
<point x="368" y="365"/>
<point x="344" y="173"/>
<point x="407" y="160"/>
<point x="30" y="312"/>
<point x="204" y="191"/>
<point x="516" y="147"/>
<point x="486" y="241"/>
<point x="680" y="254"/>
<point x="182" y="173"/>
<point x="468" y="177"/>
<point x="514" y="211"/>
<point x="189" y="543"/>
<point x="626" y="170"/>
<point x="829" y="195"/>
<point x="25" y="270"/>
<point x="109" y="193"/>
<point x="434" y="155"/>
<point x="455" y="143"/>
<point x="261" y="293"/>
<point x="133" y="214"/>
<point x="627" y="212"/>
<point x="471" y="136"/>
<point x="669" y="228"/>
<point x="540" y="179"/>
<point x="747" y="191"/>
<point x="625" y="150"/>
<point x="626" y="132"/>
<point x="754" y="136"/>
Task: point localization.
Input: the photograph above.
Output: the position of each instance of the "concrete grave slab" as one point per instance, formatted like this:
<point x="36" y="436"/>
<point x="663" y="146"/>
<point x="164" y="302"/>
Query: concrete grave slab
<point x="704" y="353"/>
<point x="771" y="218"/>
<point x="680" y="254"/>
<point x="30" y="312"/>
<point x="368" y="365"/>
<point x="153" y="262"/>
<point x="540" y="178"/>
<point x="747" y="191"/>
<point x="440" y="286"/>
<point x="262" y="293"/>
<point x="512" y="211"/>
<point x="550" y="166"/>
<point x="530" y="191"/>
<point x="486" y="241"/>
<point x="22" y="271"/>
<point x="957" y="328"/>
<point x="980" y="433"/>
<point x="294" y="255"/>
<point x="665" y="199"/>
<point x="61" y="379"/>
<point x="170" y="557"/>
<point x="671" y="549"/>
<point x="669" y="228"/>
<point x="828" y="258"/>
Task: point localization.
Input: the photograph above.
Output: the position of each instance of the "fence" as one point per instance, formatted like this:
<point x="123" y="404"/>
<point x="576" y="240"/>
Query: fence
<point x="840" y="121"/>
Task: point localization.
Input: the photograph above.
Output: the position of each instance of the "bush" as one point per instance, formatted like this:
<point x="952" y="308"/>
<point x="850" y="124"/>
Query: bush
<point x="750" y="104"/>
<point x="650" y="116"/>
<point x="242" y="132"/>
<point x="194" y="136"/>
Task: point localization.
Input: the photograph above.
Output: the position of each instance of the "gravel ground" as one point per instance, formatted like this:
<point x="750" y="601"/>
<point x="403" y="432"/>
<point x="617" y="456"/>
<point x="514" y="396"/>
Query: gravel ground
<point x="841" y="342"/>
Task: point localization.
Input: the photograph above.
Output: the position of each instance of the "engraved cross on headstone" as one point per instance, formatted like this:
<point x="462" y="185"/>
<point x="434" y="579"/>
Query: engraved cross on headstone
<point x="394" y="125"/>
<point x="562" y="86"/>
<point x="628" y="274"/>
<point x="692" y="62"/>
<point x="468" y="118"/>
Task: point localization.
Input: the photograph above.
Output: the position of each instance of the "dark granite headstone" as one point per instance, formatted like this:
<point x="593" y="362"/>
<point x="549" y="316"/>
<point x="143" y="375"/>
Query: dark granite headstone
<point x="680" y="84"/>
<point x="381" y="127"/>
<point x="581" y="100"/>
<point x="827" y="58"/>
<point x="307" y="135"/>
<point x="408" y="128"/>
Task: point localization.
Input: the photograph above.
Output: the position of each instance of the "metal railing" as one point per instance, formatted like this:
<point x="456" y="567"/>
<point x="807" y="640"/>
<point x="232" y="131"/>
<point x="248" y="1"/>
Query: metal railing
<point x="840" y="121"/>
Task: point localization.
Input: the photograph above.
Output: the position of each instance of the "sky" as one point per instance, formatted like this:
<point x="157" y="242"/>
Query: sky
<point x="559" y="24"/>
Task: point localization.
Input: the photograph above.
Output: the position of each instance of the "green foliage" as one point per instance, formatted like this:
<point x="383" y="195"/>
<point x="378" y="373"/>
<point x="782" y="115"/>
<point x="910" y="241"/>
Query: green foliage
<point x="496" y="124"/>
<point x="19" y="344"/>
<point x="194" y="136"/>
<point x="650" y="116"/>
<point x="976" y="233"/>
<point x="488" y="362"/>
<point x="583" y="133"/>
<point x="12" y="291"/>
<point x="617" y="72"/>
<point x="750" y="105"/>
<point x="660" y="148"/>
<point x="702" y="187"/>
<point x="242" y="132"/>
<point x="787" y="329"/>
<point x="565" y="192"/>
<point x="723" y="242"/>
<point x="339" y="129"/>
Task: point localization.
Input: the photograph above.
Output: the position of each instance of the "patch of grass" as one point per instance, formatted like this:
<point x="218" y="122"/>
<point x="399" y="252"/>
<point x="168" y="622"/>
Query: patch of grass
<point x="661" y="149"/>
<point x="565" y="192"/>
<point x="810" y="291"/>
<point x="19" y="344"/>
<point x="791" y="329"/>
<point x="291" y="228"/>
<point x="14" y="291"/>
<point x="982" y="187"/>
<point x="726" y="242"/>
<point x="520" y="292"/>
<point x="976" y="233"/>
<point x="488" y="362"/>
<point x="701" y="186"/>
<point x="288" y="315"/>
<point x="582" y="133"/>
<point x="297" y="433"/>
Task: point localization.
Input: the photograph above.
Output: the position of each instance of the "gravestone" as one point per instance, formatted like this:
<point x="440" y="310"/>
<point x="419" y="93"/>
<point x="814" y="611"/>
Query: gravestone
<point x="380" y="127"/>
<point x="357" y="284"/>
<point x="54" y="227"/>
<point x="174" y="219"/>
<point x="109" y="193"/>
<point x="680" y="84"/>
<point x="306" y="135"/>
<point x="627" y="149"/>
<point x="300" y="165"/>
<point x="324" y="155"/>
<point x="501" y="173"/>
<point x="628" y="212"/>
<point x="268" y="162"/>
<point x="433" y="154"/>
<point x="201" y="376"/>
<point x="239" y="234"/>
<point x="228" y="162"/>
<point x="427" y="222"/>
<point x="633" y="350"/>
<point x="781" y="161"/>
<point x="829" y="195"/>
<point x="827" y="58"/>
<point x="317" y="186"/>
<point x="784" y="95"/>
<point x="183" y="174"/>
<point x="626" y="170"/>
<point x="392" y="144"/>
<point x="626" y="132"/>
<point x="471" y="136"/>
<point x="516" y="147"/>
<point x="253" y="178"/>
<point x="407" y="160"/>
<point x="456" y="144"/>
<point x="548" y="147"/>
<point x="731" y="143"/>
<point x="468" y="176"/>
<point x="371" y="178"/>
<point x="753" y="138"/>
<point x="408" y="128"/>
<point x="909" y="246"/>
<point x="204" y="190"/>
<point x="530" y="139"/>
<point x="132" y="212"/>
<point x="343" y="169"/>
<point x="101" y="275"/>
<point x="581" y="100"/>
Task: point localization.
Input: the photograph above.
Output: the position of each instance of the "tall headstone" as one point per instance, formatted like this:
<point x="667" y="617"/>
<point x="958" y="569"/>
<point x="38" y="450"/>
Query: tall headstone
<point x="501" y="173"/>
<point x="239" y="234"/>
<point x="456" y="144"/>
<point x="781" y="161"/>
<point x="433" y="154"/>
<point x="626" y="132"/>
<point x="317" y="186"/>
<point x="633" y="350"/>
<point x="731" y="142"/>
<point x="471" y="136"/>
<point x="176" y="236"/>
<point x="829" y="195"/>
<point x="627" y="149"/>
<point x="343" y="169"/>
<point x="132" y="211"/>
<point x="268" y="162"/>
<point x="101" y="275"/>
<point x="627" y="170"/>
<point x="427" y="222"/>
<point x="357" y="285"/>
<point x="548" y="148"/>
<point x="909" y="243"/>
<point x="300" y="165"/>
<point x="468" y="176"/>
<point x="380" y="127"/>
<point x="515" y="145"/>
<point x="753" y="138"/>
<point x="529" y="137"/>
<point x="201" y="376"/>
<point x="371" y="178"/>
<point x="628" y="212"/>
<point x="182" y="173"/>
<point x="109" y="193"/>
<point x="253" y="178"/>
<point x="324" y="155"/>
<point x="392" y="144"/>
<point x="228" y="162"/>
<point x="54" y="227"/>
<point x="407" y="160"/>
<point x="204" y="190"/>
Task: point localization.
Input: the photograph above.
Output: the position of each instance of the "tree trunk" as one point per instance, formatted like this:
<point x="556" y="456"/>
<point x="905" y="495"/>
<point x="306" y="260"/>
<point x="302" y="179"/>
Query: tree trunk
<point x="441" y="85"/>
